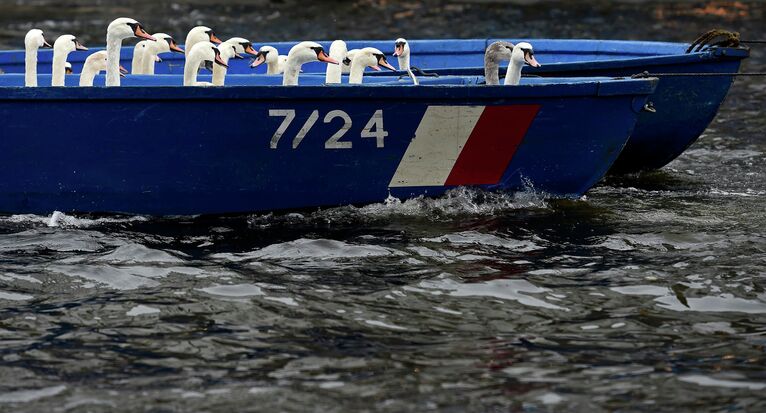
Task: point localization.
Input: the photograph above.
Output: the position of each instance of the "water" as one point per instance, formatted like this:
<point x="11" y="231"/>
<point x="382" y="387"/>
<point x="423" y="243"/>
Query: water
<point x="646" y="295"/>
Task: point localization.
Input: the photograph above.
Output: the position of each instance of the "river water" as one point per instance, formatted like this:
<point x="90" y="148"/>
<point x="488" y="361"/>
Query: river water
<point x="648" y="294"/>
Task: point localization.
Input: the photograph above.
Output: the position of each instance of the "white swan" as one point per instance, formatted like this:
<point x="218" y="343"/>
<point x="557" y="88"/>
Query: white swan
<point x="522" y="54"/>
<point x="94" y="64"/>
<point x="33" y="41"/>
<point x="231" y="49"/>
<point x="364" y="58"/>
<point x="139" y="51"/>
<point x="200" y="34"/>
<point x="495" y="53"/>
<point x="164" y="44"/>
<point x="402" y="53"/>
<point x="301" y="53"/>
<point x="345" y="65"/>
<point x="338" y="51"/>
<point x="275" y="62"/>
<point x="198" y="55"/>
<point x="118" y="30"/>
<point x="64" y="45"/>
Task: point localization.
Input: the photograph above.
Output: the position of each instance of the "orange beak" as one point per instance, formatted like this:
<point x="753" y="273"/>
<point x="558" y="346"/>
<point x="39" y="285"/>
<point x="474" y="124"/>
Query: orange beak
<point x="142" y="34"/>
<point x="79" y="46"/>
<point x="214" y="39"/>
<point x="249" y="50"/>
<point x="322" y="57"/>
<point x="47" y="45"/>
<point x="174" y="47"/>
<point x="259" y="59"/>
<point x="123" y="71"/>
<point x="382" y="61"/>
<point x="530" y="59"/>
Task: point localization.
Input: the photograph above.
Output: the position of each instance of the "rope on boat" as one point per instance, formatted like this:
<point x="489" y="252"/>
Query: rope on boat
<point x="643" y="75"/>
<point x="719" y="38"/>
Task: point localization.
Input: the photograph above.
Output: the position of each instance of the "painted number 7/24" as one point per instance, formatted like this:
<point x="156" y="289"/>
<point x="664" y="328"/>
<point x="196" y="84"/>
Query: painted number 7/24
<point x="373" y="129"/>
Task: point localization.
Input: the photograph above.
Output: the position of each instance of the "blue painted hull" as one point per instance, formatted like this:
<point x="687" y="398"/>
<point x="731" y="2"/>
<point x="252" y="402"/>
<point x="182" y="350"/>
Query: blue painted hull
<point x="171" y="150"/>
<point x="685" y="106"/>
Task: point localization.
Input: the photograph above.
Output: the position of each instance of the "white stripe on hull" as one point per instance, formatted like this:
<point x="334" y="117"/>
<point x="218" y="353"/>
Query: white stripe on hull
<point x="438" y="141"/>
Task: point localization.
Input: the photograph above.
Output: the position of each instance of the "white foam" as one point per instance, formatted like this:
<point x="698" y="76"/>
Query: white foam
<point x="378" y="323"/>
<point x="477" y="238"/>
<point x="729" y="384"/>
<point x="515" y="290"/>
<point x="715" y="304"/>
<point x="26" y="396"/>
<point x="284" y="300"/>
<point x="138" y="254"/>
<point x="237" y="290"/>
<point x="58" y="219"/>
<point x="14" y="296"/>
<point x="318" y="249"/>
<point x="142" y="310"/>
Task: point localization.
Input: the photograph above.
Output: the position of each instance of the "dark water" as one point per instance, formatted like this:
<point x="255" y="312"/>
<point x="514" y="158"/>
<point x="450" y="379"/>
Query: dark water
<point x="646" y="295"/>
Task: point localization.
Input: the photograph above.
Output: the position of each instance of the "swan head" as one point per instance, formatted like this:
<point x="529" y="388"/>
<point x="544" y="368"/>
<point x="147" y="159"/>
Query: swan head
<point x="125" y="27"/>
<point x="349" y="57"/>
<point x="97" y="62"/>
<point x="241" y="45"/>
<point x="228" y="51"/>
<point x="401" y="48"/>
<point x="498" y="51"/>
<point x="338" y="50"/>
<point x="202" y="33"/>
<point x="166" y="43"/>
<point x="35" y="40"/>
<point x="66" y="44"/>
<point x="266" y="54"/>
<point x="370" y="57"/>
<point x="205" y="52"/>
<point x="305" y="52"/>
<point x="523" y="53"/>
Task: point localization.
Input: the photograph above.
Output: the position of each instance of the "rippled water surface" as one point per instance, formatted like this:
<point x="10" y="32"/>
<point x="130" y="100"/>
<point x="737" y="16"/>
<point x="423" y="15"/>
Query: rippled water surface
<point x="646" y="295"/>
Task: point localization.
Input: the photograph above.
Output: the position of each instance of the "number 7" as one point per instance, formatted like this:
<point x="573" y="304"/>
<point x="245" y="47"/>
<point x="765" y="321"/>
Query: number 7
<point x="289" y="115"/>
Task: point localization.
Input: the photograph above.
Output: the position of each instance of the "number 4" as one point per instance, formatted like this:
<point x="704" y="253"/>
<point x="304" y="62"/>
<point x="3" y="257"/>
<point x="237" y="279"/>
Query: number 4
<point x="376" y="121"/>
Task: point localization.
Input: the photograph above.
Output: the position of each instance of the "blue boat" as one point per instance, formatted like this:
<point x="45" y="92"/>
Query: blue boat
<point x="185" y="150"/>
<point x="685" y="105"/>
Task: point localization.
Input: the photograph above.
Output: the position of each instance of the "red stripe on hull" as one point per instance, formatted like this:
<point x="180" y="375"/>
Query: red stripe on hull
<point x="492" y="144"/>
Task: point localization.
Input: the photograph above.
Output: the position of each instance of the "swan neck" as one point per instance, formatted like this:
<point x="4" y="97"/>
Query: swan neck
<point x="113" y="46"/>
<point x="137" y="64"/>
<point x="333" y="75"/>
<point x="513" y="74"/>
<point x="404" y="62"/>
<point x="87" y="75"/>
<point x="219" y="72"/>
<point x="290" y="78"/>
<point x="272" y="68"/>
<point x="191" y="70"/>
<point x="491" y="69"/>
<point x="59" y="69"/>
<point x="356" y="75"/>
<point x="147" y="65"/>
<point x="30" y="67"/>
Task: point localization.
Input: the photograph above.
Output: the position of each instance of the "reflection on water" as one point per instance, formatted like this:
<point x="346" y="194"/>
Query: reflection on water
<point x="648" y="294"/>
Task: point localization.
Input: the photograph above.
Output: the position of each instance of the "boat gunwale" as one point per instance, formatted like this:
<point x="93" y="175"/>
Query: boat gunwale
<point x="602" y="87"/>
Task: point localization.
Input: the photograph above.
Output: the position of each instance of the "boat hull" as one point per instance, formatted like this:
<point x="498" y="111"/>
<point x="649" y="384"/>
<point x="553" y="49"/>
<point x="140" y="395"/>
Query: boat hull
<point x="685" y="105"/>
<point x="180" y="151"/>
